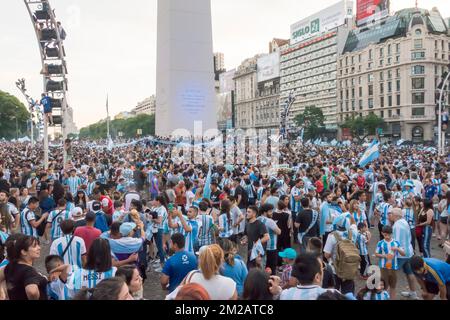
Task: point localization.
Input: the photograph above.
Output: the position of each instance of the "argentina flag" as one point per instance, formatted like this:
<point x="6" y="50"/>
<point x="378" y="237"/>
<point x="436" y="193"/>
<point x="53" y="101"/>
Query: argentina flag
<point x="372" y="153"/>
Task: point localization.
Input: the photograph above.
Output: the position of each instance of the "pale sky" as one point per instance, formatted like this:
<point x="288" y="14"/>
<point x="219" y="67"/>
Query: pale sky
<point x="111" y="44"/>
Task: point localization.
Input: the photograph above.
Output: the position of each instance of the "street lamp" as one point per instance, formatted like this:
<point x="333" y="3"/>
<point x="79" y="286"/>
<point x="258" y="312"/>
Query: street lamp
<point x="285" y="113"/>
<point x="441" y="135"/>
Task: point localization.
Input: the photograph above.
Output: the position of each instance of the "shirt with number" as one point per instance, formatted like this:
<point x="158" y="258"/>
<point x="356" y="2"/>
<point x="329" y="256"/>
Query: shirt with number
<point x="205" y="237"/>
<point x="55" y="218"/>
<point x="226" y="225"/>
<point x="191" y="236"/>
<point x="384" y="208"/>
<point x="385" y="247"/>
<point x="83" y="278"/>
<point x="73" y="253"/>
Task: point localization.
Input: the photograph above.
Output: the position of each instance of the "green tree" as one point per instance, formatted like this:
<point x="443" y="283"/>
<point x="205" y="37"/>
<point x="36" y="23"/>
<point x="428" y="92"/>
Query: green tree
<point x="127" y="126"/>
<point x="312" y="119"/>
<point x="11" y="109"/>
<point x="362" y="127"/>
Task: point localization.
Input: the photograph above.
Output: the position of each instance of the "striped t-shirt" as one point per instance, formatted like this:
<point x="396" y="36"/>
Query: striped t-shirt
<point x="74" y="252"/>
<point x="55" y="218"/>
<point x="380" y="296"/>
<point x="385" y="247"/>
<point x="226" y="226"/>
<point x="311" y="292"/>
<point x="361" y="243"/>
<point x="271" y="226"/>
<point x="205" y="237"/>
<point x="82" y="278"/>
<point x="384" y="211"/>
<point x="25" y="217"/>
<point x="192" y="236"/>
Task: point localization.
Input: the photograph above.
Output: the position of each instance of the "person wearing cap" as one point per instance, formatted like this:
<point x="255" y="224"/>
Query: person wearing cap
<point x="125" y="249"/>
<point x="132" y="194"/>
<point x="88" y="232"/>
<point x="288" y="255"/>
<point x="78" y="217"/>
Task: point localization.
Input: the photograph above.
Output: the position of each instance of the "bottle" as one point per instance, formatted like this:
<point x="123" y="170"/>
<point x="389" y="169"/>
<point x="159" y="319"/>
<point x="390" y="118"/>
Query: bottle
<point x="389" y="260"/>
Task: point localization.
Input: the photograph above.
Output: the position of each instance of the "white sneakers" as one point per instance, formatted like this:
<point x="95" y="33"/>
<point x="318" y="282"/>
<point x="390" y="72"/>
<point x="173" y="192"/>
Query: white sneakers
<point x="410" y="295"/>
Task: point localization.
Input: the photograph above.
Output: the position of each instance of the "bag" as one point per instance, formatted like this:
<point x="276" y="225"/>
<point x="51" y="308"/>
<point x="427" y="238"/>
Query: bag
<point x="41" y="228"/>
<point x="68" y="246"/>
<point x="347" y="260"/>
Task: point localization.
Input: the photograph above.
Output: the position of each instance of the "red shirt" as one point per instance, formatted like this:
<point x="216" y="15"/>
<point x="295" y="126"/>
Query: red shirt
<point x="319" y="186"/>
<point x="361" y="182"/>
<point x="88" y="234"/>
<point x="110" y="209"/>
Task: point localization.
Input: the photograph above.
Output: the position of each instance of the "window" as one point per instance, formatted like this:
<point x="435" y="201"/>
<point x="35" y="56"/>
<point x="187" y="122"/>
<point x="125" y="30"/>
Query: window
<point x="353" y="105"/>
<point x="360" y="91"/>
<point x="390" y="74"/>
<point x="382" y="102"/>
<point x="389" y="86"/>
<point x="418" y="70"/>
<point x="389" y="49"/>
<point x="370" y="103"/>
<point x="418" y="98"/>
<point x="418" y="83"/>
<point x="346" y="94"/>
<point x="381" y="63"/>
<point x="398" y="100"/>
<point x="389" y="101"/>
<point x="397" y="73"/>
<point x="381" y="88"/>
<point x="353" y="93"/>
<point x="397" y="59"/>
<point x="418" y="44"/>
<point x="371" y="90"/>
<point x="418" y="112"/>
<point x="390" y="113"/>
<point x="389" y="62"/>
<point x="370" y="77"/>
<point x="346" y="61"/>
<point x="381" y="52"/>
<point x="360" y="104"/>
<point x="419" y="32"/>
<point x="382" y="114"/>
<point x="398" y="112"/>
<point x="353" y="60"/>
<point x="370" y="54"/>
<point x="398" y="85"/>
<point x="359" y="58"/>
<point x="359" y="80"/>
<point x="381" y="76"/>
<point x="370" y="65"/>
<point x="418" y="55"/>
<point x="397" y="48"/>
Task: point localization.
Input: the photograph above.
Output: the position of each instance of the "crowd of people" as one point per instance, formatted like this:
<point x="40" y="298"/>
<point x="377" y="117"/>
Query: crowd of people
<point x="312" y="230"/>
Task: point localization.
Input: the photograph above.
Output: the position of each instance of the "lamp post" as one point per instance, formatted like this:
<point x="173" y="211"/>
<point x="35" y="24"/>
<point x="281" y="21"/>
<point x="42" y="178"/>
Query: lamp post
<point x="441" y="135"/>
<point x="285" y="113"/>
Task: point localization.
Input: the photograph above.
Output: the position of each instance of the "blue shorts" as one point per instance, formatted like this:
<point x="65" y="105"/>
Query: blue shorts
<point x="403" y="263"/>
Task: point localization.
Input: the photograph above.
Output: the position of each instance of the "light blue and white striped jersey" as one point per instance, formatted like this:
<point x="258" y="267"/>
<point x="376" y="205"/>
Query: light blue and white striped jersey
<point x="55" y="218"/>
<point x="172" y="231"/>
<point x="226" y="226"/>
<point x="259" y="193"/>
<point x="296" y="205"/>
<point x="250" y="189"/>
<point x="379" y="296"/>
<point x="83" y="278"/>
<point x="271" y="227"/>
<point x="117" y="215"/>
<point x="162" y="212"/>
<point x="311" y="292"/>
<point x="438" y="184"/>
<point x="74" y="252"/>
<point x="90" y="188"/>
<point x="361" y="243"/>
<point x="225" y="182"/>
<point x="385" y="247"/>
<point x="384" y="208"/>
<point x="57" y="290"/>
<point x="3" y="237"/>
<point x="191" y="237"/>
<point x="74" y="183"/>
<point x="408" y="215"/>
<point x="128" y="174"/>
<point x="25" y="217"/>
<point x="402" y="234"/>
<point x="205" y="237"/>
<point x="360" y="219"/>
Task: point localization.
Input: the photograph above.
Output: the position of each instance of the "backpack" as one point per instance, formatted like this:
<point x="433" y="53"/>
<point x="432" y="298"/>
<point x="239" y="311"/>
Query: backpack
<point x="347" y="260"/>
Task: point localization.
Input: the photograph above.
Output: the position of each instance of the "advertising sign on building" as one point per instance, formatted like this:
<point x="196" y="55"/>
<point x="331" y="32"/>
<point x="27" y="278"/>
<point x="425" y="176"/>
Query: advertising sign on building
<point x="226" y="81"/>
<point x="269" y="67"/>
<point x="371" y="10"/>
<point x="323" y="21"/>
<point x="224" y="111"/>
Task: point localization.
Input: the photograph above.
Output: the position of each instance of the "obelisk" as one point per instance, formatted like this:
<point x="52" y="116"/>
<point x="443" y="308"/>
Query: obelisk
<point x="185" y="94"/>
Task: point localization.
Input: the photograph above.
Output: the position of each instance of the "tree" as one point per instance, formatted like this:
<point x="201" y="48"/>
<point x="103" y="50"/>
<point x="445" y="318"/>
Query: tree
<point x="312" y="119"/>
<point x="127" y="126"/>
<point x="12" y="113"/>
<point x="362" y="127"/>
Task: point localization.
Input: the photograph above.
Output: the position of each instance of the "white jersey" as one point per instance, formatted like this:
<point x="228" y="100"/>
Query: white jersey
<point x="83" y="278"/>
<point x="73" y="253"/>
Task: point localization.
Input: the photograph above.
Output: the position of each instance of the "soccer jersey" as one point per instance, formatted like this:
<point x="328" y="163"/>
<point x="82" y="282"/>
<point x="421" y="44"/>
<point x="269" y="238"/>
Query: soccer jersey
<point x="73" y="183"/>
<point x="361" y="243"/>
<point x="90" y="188"/>
<point x="162" y="212"/>
<point x="55" y="218"/>
<point x="205" y="237"/>
<point x="379" y="296"/>
<point x="384" y="211"/>
<point x="385" y="247"/>
<point x="25" y="217"/>
<point x="271" y="226"/>
<point x="295" y="205"/>
<point x="73" y="254"/>
<point x="192" y="236"/>
<point x="402" y="234"/>
<point x="226" y="226"/>
<point x="83" y="278"/>
<point x="408" y="214"/>
<point x="57" y="290"/>
<point x="311" y="292"/>
<point x="359" y="219"/>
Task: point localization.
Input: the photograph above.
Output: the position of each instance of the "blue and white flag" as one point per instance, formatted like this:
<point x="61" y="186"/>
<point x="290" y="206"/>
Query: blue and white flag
<point x="372" y="153"/>
<point x="207" y="188"/>
<point x="400" y="142"/>
<point x="302" y="134"/>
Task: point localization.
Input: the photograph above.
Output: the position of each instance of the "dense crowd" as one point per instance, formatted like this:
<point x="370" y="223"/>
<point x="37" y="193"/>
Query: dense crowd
<point x="303" y="231"/>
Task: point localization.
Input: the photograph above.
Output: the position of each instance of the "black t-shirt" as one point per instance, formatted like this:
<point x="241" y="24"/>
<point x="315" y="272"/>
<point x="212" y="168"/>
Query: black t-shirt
<point x="215" y="197"/>
<point x="254" y="231"/>
<point x="282" y="219"/>
<point x="244" y="201"/>
<point x="18" y="276"/>
<point x="305" y="218"/>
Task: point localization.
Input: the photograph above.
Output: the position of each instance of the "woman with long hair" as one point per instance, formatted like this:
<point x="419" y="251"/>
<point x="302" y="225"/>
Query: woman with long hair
<point x="81" y="200"/>
<point x="133" y="279"/>
<point x="233" y="267"/>
<point x="225" y="223"/>
<point x="358" y="216"/>
<point x="425" y="222"/>
<point x="256" y="286"/>
<point x="111" y="289"/>
<point x="23" y="281"/>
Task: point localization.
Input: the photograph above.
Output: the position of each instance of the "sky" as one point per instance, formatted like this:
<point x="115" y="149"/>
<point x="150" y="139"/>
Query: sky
<point x="111" y="45"/>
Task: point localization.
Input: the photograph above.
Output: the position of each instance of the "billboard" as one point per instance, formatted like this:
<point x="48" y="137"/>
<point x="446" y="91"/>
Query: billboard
<point x="269" y="67"/>
<point x="371" y="10"/>
<point x="224" y="110"/>
<point x="323" y="21"/>
<point x="226" y="81"/>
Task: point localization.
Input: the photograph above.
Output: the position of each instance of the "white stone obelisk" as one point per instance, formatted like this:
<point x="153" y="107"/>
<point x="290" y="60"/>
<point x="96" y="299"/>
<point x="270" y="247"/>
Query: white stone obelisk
<point x="185" y="94"/>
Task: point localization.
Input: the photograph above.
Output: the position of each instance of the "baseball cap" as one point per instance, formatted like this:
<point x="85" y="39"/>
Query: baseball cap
<point x="288" y="253"/>
<point x="77" y="213"/>
<point x="126" y="228"/>
<point x="96" y="206"/>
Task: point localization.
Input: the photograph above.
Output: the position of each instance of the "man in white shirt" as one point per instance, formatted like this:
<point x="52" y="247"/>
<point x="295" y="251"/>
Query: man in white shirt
<point x="418" y="186"/>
